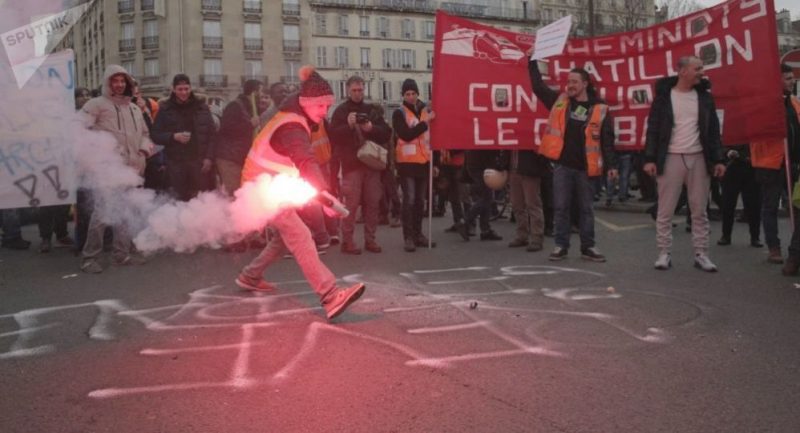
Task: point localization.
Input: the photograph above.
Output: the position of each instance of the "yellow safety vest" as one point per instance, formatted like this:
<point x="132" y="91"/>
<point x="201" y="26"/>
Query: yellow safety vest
<point x="418" y="150"/>
<point x="769" y="153"/>
<point x="553" y="140"/>
<point x="263" y="158"/>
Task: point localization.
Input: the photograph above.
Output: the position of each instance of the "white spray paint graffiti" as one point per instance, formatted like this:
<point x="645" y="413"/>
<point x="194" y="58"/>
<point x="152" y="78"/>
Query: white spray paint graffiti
<point x="250" y="315"/>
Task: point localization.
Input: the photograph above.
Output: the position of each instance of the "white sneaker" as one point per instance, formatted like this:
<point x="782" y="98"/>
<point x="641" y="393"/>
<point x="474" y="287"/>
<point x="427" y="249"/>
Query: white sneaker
<point x="701" y="261"/>
<point x="663" y="262"/>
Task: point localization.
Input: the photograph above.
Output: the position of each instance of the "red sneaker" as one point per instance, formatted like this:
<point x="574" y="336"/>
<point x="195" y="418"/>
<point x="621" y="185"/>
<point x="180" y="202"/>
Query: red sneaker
<point x="337" y="301"/>
<point x="248" y="283"/>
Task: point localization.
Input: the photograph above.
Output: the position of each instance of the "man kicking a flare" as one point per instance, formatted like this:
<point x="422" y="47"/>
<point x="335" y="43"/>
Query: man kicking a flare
<point x="284" y="146"/>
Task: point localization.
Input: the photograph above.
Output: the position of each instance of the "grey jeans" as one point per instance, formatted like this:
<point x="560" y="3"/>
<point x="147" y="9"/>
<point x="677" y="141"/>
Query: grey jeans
<point x="292" y="233"/>
<point x="680" y="169"/>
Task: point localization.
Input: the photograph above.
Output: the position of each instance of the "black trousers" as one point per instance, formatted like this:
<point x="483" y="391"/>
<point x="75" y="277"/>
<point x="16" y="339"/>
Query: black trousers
<point x="740" y="179"/>
<point x="53" y="219"/>
<point x="186" y="179"/>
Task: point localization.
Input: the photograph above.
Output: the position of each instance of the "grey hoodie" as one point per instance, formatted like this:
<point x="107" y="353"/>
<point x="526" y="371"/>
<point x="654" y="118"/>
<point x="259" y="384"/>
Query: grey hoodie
<point x="122" y="118"/>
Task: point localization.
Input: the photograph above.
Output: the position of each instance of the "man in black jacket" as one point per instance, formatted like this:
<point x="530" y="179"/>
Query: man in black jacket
<point x="580" y="142"/>
<point x="239" y="121"/>
<point x="352" y="122"/>
<point x="184" y="127"/>
<point x="683" y="147"/>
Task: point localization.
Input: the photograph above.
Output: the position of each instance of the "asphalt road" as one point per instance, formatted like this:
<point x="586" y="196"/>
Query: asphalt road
<point x="468" y="337"/>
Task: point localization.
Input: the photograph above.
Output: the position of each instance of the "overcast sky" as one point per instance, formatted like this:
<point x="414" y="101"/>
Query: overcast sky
<point x="792" y="5"/>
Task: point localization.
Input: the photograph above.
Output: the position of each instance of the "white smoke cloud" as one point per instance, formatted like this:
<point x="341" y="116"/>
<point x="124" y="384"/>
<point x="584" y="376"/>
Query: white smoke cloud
<point x="158" y="222"/>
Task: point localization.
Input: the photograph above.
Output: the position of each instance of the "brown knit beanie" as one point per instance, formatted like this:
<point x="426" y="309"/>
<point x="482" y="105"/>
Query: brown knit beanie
<point x="313" y="87"/>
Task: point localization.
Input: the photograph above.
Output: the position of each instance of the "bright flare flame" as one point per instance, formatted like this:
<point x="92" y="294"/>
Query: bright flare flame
<point x="285" y="190"/>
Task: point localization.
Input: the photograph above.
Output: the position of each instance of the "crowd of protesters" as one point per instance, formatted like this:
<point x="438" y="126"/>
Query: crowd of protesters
<point x="181" y="147"/>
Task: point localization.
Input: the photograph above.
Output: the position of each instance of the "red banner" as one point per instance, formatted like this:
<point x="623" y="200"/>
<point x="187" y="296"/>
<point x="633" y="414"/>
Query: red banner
<point x="483" y="99"/>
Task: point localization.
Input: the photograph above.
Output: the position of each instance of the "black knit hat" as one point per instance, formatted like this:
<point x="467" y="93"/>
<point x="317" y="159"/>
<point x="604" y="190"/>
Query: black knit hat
<point x="313" y="86"/>
<point x="410" y="84"/>
<point x="180" y="79"/>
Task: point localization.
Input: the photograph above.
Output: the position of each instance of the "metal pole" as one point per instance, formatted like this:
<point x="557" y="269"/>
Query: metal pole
<point x="788" y="169"/>
<point x="591" y="18"/>
<point x="430" y="202"/>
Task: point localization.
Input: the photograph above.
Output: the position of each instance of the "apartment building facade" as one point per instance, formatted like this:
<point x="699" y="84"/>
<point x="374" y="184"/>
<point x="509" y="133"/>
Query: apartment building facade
<point x="221" y="43"/>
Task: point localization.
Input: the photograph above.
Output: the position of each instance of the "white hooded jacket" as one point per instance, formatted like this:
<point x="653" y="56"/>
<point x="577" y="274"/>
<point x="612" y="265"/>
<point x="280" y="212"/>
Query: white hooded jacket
<point x="122" y="118"/>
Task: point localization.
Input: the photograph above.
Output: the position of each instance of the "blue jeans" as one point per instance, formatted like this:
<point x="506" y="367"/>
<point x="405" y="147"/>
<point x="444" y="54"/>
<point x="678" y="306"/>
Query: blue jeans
<point x="414" y="189"/>
<point x="625" y="164"/>
<point x="570" y="184"/>
<point x="772" y="185"/>
<point x="482" y="202"/>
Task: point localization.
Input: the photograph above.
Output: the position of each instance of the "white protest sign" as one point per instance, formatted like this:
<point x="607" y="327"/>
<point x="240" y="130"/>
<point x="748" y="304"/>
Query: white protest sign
<point x="552" y="38"/>
<point x="36" y="161"/>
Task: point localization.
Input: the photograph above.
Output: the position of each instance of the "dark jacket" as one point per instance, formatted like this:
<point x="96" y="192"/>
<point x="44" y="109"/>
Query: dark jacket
<point x="528" y="163"/>
<point x="293" y="141"/>
<point x="344" y="140"/>
<point x="576" y="146"/>
<point x="476" y="161"/>
<point x="661" y="121"/>
<point x="235" y="134"/>
<point x="193" y="116"/>
<point x="407" y="133"/>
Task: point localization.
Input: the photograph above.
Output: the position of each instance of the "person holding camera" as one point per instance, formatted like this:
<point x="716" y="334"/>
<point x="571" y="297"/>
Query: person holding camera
<point x="413" y="153"/>
<point x="353" y="122"/>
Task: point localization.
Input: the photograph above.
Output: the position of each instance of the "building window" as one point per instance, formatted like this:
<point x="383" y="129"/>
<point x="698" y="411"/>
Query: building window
<point x="212" y="66"/>
<point x="212" y="35"/>
<point x="363" y="25"/>
<point x="126" y="37"/>
<point x="291" y="67"/>
<point x="151" y="67"/>
<point x="291" y="37"/>
<point x="343" y="29"/>
<point x="428" y="91"/>
<point x="383" y="27"/>
<point x="389" y="58"/>
<point x="408" y="29"/>
<point x="252" y="6"/>
<point x="429" y="62"/>
<point x="148" y="5"/>
<point x="321" y="24"/>
<point x="291" y="7"/>
<point x="253" y="69"/>
<point x="341" y="89"/>
<point x="386" y="90"/>
<point x="322" y="57"/>
<point x="341" y="57"/>
<point x="407" y="59"/>
<point x="129" y="66"/>
<point x="252" y="36"/>
<point x="430" y="29"/>
<point x="365" y="62"/>
<point x="150" y="38"/>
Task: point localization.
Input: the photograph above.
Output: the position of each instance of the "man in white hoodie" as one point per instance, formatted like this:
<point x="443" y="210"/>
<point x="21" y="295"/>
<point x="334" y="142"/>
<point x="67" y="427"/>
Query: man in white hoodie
<point x="114" y="112"/>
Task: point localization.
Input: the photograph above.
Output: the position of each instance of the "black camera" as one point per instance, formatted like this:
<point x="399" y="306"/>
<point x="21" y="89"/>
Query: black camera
<point x="362" y="118"/>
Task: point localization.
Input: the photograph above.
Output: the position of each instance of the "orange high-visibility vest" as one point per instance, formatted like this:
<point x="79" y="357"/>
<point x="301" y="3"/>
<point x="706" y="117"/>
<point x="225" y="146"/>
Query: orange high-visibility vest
<point x="553" y="140"/>
<point x="769" y="153"/>
<point x="418" y="150"/>
<point x="263" y="158"/>
<point x="321" y="144"/>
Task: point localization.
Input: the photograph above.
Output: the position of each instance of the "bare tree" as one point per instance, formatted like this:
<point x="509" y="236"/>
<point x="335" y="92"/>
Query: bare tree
<point x="629" y="15"/>
<point x="678" y="8"/>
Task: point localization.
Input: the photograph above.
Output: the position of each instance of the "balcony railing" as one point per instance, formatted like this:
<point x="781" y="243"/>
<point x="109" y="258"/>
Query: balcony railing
<point x="212" y="5"/>
<point x="150" y="42"/>
<point x="263" y="78"/>
<point x="127" y="44"/>
<point x="251" y="7"/>
<point x="125" y="6"/>
<point x="429" y="7"/>
<point x="253" y="44"/>
<point x="292" y="46"/>
<point x="150" y="80"/>
<point x="148" y="5"/>
<point x="212" y="42"/>
<point x="291" y="9"/>
<point x="213" y="80"/>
